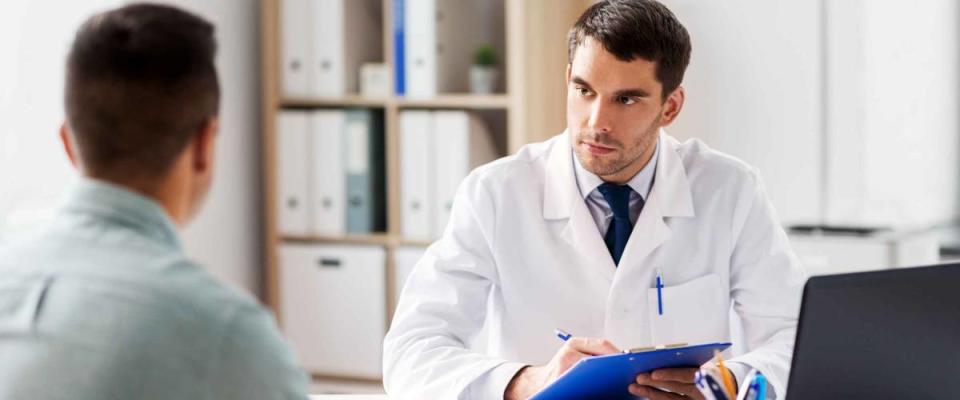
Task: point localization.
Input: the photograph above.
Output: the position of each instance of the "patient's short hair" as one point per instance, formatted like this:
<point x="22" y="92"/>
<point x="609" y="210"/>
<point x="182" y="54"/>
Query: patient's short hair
<point x="140" y="84"/>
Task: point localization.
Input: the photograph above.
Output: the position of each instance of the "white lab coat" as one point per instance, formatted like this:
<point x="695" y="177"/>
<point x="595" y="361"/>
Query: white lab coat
<point x="522" y="252"/>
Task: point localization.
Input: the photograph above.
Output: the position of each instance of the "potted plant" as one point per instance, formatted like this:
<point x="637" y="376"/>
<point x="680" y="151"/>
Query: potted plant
<point x="483" y="72"/>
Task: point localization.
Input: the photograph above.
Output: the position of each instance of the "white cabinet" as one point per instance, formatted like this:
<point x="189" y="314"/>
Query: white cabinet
<point x="824" y="254"/>
<point x="333" y="307"/>
<point x="405" y="259"/>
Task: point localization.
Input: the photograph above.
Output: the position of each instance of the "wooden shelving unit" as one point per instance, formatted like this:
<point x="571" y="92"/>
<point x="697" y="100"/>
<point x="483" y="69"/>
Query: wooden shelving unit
<point x="447" y="101"/>
<point x="380" y="239"/>
<point x="347" y="101"/>
<point x="533" y="108"/>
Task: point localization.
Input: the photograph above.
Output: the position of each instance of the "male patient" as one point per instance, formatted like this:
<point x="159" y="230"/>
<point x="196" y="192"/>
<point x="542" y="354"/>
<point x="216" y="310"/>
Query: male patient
<point x="103" y="304"/>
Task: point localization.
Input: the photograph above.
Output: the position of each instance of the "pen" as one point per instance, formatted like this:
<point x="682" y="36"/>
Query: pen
<point x="564" y="336"/>
<point x="718" y="392"/>
<point x="748" y="390"/>
<point x="659" y="292"/>
<point x="761" y="382"/>
<point x="700" y="381"/>
<point x="727" y="379"/>
<point x="751" y="392"/>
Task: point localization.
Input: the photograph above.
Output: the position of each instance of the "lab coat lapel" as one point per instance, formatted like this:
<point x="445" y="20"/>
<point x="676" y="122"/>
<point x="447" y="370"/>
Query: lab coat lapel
<point x="562" y="200"/>
<point x="670" y="197"/>
<point x="648" y="234"/>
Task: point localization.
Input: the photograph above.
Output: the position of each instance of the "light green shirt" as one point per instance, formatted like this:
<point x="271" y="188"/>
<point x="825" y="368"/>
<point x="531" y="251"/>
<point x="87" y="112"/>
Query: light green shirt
<point x="103" y="304"/>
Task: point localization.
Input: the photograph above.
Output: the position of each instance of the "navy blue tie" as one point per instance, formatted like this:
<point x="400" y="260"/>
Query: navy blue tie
<point x="618" y="197"/>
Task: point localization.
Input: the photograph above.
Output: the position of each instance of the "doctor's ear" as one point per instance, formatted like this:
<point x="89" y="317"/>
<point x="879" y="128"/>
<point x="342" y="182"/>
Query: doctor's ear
<point x="67" y="142"/>
<point x="672" y="106"/>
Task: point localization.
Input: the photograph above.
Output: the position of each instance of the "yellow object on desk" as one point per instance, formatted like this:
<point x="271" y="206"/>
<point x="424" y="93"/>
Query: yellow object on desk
<point x="727" y="377"/>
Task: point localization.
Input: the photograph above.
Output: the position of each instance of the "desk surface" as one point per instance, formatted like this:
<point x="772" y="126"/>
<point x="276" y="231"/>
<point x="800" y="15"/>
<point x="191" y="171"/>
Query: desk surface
<point x="348" y="397"/>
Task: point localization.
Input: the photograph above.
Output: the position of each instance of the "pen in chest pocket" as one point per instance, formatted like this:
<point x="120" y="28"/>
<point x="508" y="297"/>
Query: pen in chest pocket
<point x="659" y="283"/>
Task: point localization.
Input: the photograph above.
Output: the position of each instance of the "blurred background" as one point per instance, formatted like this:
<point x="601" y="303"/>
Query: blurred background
<point x="346" y="126"/>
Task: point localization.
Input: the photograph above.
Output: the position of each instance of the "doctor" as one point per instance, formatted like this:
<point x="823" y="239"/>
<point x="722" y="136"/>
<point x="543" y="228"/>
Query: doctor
<point x="571" y="233"/>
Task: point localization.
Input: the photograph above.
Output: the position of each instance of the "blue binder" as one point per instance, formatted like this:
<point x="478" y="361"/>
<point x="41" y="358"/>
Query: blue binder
<point x="365" y="177"/>
<point x="607" y="377"/>
<point x="399" y="49"/>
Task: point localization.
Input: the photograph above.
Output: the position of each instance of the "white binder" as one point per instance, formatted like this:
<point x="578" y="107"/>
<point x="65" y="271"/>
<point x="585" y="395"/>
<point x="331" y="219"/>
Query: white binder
<point x="333" y="307"/>
<point x="295" y="32"/>
<point x="347" y="33"/>
<point x="416" y="179"/>
<point x="323" y="34"/>
<point x="327" y="48"/>
<point x="329" y="186"/>
<point x="440" y="39"/>
<point x="462" y="144"/>
<point x="293" y="171"/>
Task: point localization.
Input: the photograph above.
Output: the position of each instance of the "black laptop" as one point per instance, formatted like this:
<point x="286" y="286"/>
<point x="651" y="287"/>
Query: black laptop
<point x="892" y="334"/>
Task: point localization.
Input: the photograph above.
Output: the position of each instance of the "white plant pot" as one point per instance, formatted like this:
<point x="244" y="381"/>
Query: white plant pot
<point x="483" y="79"/>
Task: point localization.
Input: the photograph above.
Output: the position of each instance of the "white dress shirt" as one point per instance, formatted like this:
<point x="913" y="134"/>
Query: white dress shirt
<point x="588" y="182"/>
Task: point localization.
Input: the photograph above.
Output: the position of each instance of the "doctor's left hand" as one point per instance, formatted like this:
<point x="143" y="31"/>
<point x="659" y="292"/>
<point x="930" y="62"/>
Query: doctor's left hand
<point x="667" y="384"/>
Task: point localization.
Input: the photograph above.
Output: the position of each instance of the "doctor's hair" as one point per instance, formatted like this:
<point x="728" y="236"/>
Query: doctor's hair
<point x="140" y="84"/>
<point x="632" y="29"/>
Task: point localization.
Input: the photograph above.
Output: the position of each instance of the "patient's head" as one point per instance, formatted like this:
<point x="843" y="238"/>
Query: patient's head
<point x="142" y="101"/>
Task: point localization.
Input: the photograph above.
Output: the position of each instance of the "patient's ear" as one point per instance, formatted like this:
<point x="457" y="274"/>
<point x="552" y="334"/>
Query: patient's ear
<point x="203" y="147"/>
<point x="68" y="144"/>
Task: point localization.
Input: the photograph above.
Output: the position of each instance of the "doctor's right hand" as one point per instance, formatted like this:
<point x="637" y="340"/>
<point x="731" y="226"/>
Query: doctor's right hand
<point x="531" y="379"/>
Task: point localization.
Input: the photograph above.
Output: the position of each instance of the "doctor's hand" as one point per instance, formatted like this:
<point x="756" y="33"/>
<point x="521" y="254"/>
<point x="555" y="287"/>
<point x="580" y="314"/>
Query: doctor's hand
<point x="532" y="379"/>
<point x="667" y="384"/>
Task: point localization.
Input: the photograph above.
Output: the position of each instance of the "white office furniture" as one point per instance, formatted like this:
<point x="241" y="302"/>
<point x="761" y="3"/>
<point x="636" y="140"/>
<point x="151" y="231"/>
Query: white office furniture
<point x="823" y="254"/>
<point x="334" y="300"/>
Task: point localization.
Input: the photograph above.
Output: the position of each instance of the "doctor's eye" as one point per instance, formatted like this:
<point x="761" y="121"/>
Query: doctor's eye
<point x="626" y="100"/>
<point x="582" y="91"/>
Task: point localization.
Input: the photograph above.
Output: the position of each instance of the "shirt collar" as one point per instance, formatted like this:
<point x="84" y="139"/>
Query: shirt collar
<point x="122" y="206"/>
<point x="641" y="183"/>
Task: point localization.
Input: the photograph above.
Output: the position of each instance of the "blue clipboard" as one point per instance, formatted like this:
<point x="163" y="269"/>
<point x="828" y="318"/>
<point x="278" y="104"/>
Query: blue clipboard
<point x="607" y="377"/>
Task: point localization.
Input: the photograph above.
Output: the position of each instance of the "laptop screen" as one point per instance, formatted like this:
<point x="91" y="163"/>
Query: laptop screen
<point x="892" y="334"/>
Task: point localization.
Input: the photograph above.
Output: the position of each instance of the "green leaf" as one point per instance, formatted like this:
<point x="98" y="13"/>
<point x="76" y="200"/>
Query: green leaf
<point x="485" y="56"/>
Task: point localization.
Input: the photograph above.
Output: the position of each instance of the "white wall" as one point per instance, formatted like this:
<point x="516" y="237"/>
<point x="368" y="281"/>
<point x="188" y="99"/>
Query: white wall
<point x="33" y="169"/>
<point x="894" y="135"/>
<point x="226" y="237"/>
<point x="34" y="173"/>
<point x="753" y="91"/>
<point x="849" y="108"/>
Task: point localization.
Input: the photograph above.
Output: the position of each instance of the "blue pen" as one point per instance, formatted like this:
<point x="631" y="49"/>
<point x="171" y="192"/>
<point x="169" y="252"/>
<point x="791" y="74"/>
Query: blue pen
<point x="564" y="336"/>
<point x="701" y="382"/>
<point x="716" y="388"/>
<point x="659" y="292"/>
<point x="751" y="393"/>
<point x="761" y="382"/>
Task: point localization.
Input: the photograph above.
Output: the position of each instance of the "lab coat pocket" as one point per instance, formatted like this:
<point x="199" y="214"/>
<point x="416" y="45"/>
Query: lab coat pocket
<point x="694" y="312"/>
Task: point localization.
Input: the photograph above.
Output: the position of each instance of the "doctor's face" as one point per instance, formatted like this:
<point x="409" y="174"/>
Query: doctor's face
<point x="615" y="110"/>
